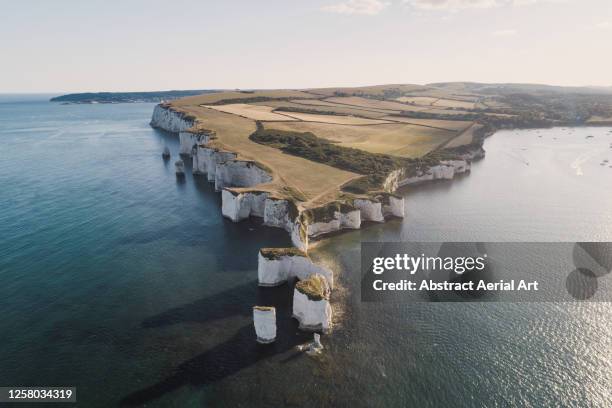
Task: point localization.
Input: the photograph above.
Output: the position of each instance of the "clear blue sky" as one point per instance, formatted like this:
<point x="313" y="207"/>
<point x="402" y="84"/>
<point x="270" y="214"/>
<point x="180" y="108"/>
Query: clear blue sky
<point x="74" y="46"/>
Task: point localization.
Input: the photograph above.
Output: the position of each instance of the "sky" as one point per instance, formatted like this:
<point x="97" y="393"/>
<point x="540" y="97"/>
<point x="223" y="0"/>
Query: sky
<point x="81" y="46"/>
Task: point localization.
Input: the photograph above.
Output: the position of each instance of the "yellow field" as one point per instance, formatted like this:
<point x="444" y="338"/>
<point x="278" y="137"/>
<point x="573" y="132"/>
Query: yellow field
<point x="395" y="139"/>
<point x="362" y="123"/>
<point x="374" y="90"/>
<point x="374" y="103"/>
<point x="451" y="103"/>
<point x="343" y="110"/>
<point x="419" y="100"/>
<point x="466" y="137"/>
<point x="337" y="119"/>
<point x="210" y="98"/>
<point x="310" y="178"/>
<point x="255" y="112"/>
<point x="454" y="125"/>
<point x="599" y="120"/>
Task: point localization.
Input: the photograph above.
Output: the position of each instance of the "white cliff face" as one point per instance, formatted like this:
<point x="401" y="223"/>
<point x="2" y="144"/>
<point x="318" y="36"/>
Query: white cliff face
<point x="278" y="270"/>
<point x="446" y="169"/>
<point x="205" y="160"/>
<point x="370" y="210"/>
<point x="276" y="214"/>
<point x="341" y="220"/>
<point x="239" y="206"/>
<point x="239" y="173"/>
<point x="393" y="179"/>
<point x="312" y="314"/>
<point x="169" y="120"/>
<point x="189" y="140"/>
<point x="264" y="320"/>
<point x="395" y="208"/>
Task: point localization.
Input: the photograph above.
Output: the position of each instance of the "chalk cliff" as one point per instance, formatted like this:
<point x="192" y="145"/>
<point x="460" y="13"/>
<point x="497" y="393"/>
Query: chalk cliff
<point x="190" y="139"/>
<point x="446" y="169"/>
<point x="239" y="173"/>
<point x="264" y="320"/>
<point x="170" y="120"/>
<point x="278" y="265"/>
<point x="311" y="305"/>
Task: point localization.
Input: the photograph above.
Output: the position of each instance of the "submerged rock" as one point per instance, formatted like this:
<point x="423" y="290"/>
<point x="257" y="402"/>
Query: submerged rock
<point x="166" y="153"/>
<point x="264" y="319"/>
<point x="179" y="166"/>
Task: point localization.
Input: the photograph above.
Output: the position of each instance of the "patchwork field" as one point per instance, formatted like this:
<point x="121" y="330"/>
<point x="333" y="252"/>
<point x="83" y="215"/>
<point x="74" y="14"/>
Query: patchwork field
<point x="255" y="112"/>
<point x="401" y="140"/>
<point x="337" y="119"/>
<point x="465" y="138"/>
<point x="454" y="125"/>
<point x="277" y="127"/>
<point x="374" y="103"/>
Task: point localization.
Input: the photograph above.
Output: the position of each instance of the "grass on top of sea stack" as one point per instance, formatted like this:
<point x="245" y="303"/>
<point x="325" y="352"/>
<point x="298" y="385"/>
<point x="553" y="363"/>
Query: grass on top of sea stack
<point x="315" y="287"/>
<point x="277" y="253"/>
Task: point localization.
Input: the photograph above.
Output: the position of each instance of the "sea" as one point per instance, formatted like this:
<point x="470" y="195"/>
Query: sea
<point x="124" y="281"/>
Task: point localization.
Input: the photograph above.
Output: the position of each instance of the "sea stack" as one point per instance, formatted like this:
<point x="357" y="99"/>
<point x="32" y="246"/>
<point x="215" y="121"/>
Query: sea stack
<point x="264" y="319"/>
<point x="311" y="305"/>
<point x="179" y="165"/>
<point x="166" y="153"/>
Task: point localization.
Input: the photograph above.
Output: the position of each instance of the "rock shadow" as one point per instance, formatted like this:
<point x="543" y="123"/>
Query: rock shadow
<point x="233" y="355"/>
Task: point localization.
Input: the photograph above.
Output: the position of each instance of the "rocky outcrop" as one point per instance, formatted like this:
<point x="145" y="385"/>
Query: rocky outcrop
<point x="189" y="139"/>
<point x="278" y="265"/>
<point x="239" y="173"/>
<point x="311" y="305"/>
<point x="264" y="320"/>
<point x="171" y="120"/>
<point x="179" y="167"/>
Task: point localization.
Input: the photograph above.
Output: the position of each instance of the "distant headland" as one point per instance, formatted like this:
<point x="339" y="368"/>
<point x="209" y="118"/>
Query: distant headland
<point x="127" y="97"/>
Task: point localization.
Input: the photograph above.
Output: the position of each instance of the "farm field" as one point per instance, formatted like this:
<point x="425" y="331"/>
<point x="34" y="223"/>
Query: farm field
<point x="213" y="98"/>
<point x="375" y="103"/>
<point x="418" y="100"/>
<point x="259" y="125"/>
<point x="465" y="138"/>
<point x="339" y="109"/>
<point x="255" y="112"/>
<point x="307" y="177"/>
<point x="452" y="103"/>
<point x="401" y="140"/>
<point x="337" y="119"/>
<point x="454" y="125"/>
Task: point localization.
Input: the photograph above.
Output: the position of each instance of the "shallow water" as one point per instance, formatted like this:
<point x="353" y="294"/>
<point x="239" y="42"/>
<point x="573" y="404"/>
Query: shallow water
<point x="126" y="282"/>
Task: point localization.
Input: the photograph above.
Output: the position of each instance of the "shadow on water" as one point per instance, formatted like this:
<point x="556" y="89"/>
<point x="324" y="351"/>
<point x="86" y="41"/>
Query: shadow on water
<point x="235" y="354"/>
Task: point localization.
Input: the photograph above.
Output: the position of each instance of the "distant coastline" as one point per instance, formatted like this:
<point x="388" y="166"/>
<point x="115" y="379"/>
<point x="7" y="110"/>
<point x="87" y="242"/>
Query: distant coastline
<point x="127" y="97"/>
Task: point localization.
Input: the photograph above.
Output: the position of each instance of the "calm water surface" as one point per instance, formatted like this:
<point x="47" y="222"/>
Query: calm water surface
<point x="126" y="282"/>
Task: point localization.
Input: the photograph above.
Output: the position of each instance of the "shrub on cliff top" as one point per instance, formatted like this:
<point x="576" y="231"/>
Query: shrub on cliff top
<point x="326" y="212"/>
<point x="317" y="149"/>
<point x="277" y="253"/>
<point x="315" y="287"/>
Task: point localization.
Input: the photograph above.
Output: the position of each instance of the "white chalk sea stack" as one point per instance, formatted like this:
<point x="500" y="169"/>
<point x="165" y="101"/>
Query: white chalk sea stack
<point x="311" y="305"/>
<point x="264" y="319"/>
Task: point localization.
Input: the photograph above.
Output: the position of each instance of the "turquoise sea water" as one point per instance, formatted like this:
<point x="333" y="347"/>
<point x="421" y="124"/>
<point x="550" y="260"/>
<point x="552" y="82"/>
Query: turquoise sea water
<point x="126" y="282"/>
